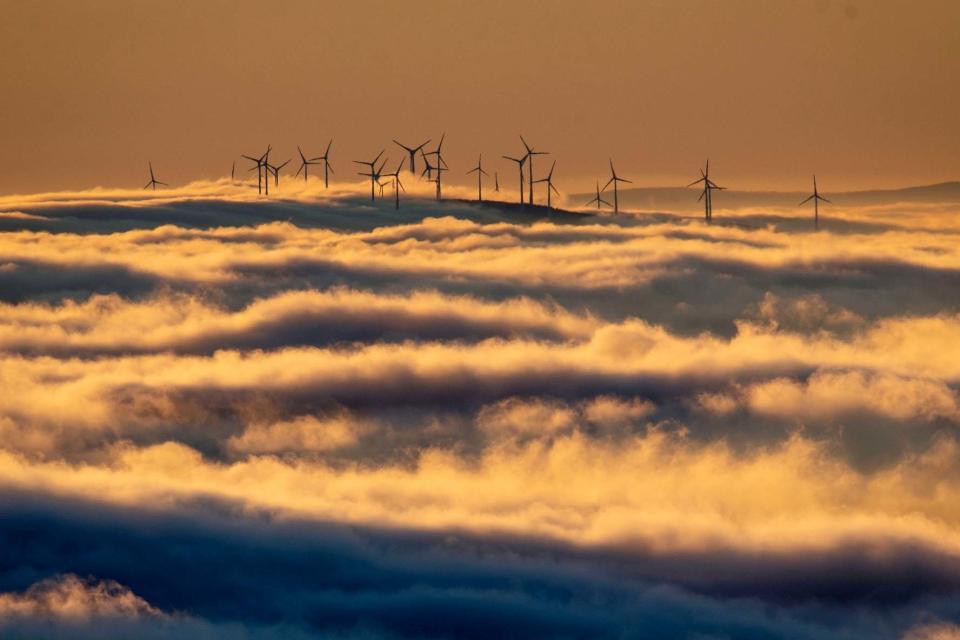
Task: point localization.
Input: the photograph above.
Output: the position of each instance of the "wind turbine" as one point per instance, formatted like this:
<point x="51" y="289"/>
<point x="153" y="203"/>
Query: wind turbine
<point x="259" y="163"/>
<point x="816" y="197"/>
<point x="519" y="162"/>
<point x="413" y="153"/>
<point x="614" y="179"/>
<point x="397" y="185"/>
<point x="441" y="165"/>
<point x="276" y="171"/>
<point x="427" y="167"/>
<point x="480" y="173"/>
<point x="598" y="198"/>
<point x="549" y="181"/>
<point x="707" y="194"/>
<point x="153" y="180"/>
<point x="233" y="169"/>
<point x="305" y="163"/>
<point x="530" y="153"/>
<point x="327" y="169"/>
<point x="373" y="173"/>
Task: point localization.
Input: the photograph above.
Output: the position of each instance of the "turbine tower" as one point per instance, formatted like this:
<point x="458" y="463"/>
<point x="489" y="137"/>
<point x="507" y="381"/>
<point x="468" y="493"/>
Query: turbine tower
<point x="412" y="151"/>
<point x="817" y="198"/>
<point x="529" y="157"/>
<point x="550" y="187"/>
<point x="480" y="173"/>
<point x="519" y="162"/>
<point x="599" y="199"/>
<point x="153" y="179"/>
<point x="305" y="163"/>
<point x="496" y="182"/>
<point x="614" y="179"/>
<point x="373" y="175"/>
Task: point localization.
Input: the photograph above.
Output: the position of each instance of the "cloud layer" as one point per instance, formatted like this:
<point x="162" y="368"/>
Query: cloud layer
<point x="316" y="417"/>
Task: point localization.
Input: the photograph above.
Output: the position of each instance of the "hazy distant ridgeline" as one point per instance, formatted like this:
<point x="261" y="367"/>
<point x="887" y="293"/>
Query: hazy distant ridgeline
<point x="680" y="199"/>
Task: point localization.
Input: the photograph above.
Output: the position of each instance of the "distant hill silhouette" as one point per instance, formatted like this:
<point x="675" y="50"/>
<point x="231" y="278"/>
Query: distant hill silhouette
<point x="681" y="199"/>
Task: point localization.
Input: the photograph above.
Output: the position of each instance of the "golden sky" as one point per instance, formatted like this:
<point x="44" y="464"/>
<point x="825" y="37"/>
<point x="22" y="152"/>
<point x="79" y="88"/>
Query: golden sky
<point x="863" y="93"/>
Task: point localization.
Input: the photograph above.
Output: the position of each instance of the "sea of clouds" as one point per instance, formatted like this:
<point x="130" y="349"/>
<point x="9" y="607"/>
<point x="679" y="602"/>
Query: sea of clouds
<point x="314" y="416"/>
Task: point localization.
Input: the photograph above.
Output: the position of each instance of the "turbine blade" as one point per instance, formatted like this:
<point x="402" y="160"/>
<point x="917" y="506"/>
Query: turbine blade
<point x="805" y="201"/>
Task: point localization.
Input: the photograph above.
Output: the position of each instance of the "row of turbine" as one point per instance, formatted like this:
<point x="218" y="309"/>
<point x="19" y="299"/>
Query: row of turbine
<point x="433" y="172"/>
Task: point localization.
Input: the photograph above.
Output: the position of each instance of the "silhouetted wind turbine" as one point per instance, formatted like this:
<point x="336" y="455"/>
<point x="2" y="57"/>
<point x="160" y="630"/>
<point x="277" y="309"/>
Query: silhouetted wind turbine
<point x="480" y="173"/>
<point x="397" y="185"/>
<point x="816" y="197"/>
<point x="259" y="166"/>
<point x="614" y="179"/>
<point x="413" y="153"/>
<point x="441" y="165"/>
<point x="427" y="167"/>
<point x="233" y="169"/>
<point x="549" y="181"/>
<point x="373" y="175"/>
<point x="276" y="171"/>
<point x="153" y="180"/>
<point x="529" y="157"/>
<point x="598" y="199"/>
<point x="305" y="163"/>
<point x="707" y="194"/>
<point x="519" y="162"/>
<point x="327" y="169"/>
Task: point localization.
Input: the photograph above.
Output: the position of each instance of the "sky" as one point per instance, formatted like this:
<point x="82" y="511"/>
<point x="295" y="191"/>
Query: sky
<point x="862" y="93"/>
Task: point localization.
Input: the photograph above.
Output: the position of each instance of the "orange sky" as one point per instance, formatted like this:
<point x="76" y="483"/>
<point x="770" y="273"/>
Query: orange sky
<point x="864" y="93"/>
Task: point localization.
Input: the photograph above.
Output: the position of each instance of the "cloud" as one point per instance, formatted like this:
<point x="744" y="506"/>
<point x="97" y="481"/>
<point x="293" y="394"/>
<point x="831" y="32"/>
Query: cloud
<point x="933" y="631"/>
<point x="70" y="598"/>
<point x="185" y="324"/>
<point x="300" y="435"/>
<point x="315" y="416"/>
<point x="830" y="394"/>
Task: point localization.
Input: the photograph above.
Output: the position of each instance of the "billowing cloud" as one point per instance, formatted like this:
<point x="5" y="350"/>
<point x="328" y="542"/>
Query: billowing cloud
<point x="313" y="416"/>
